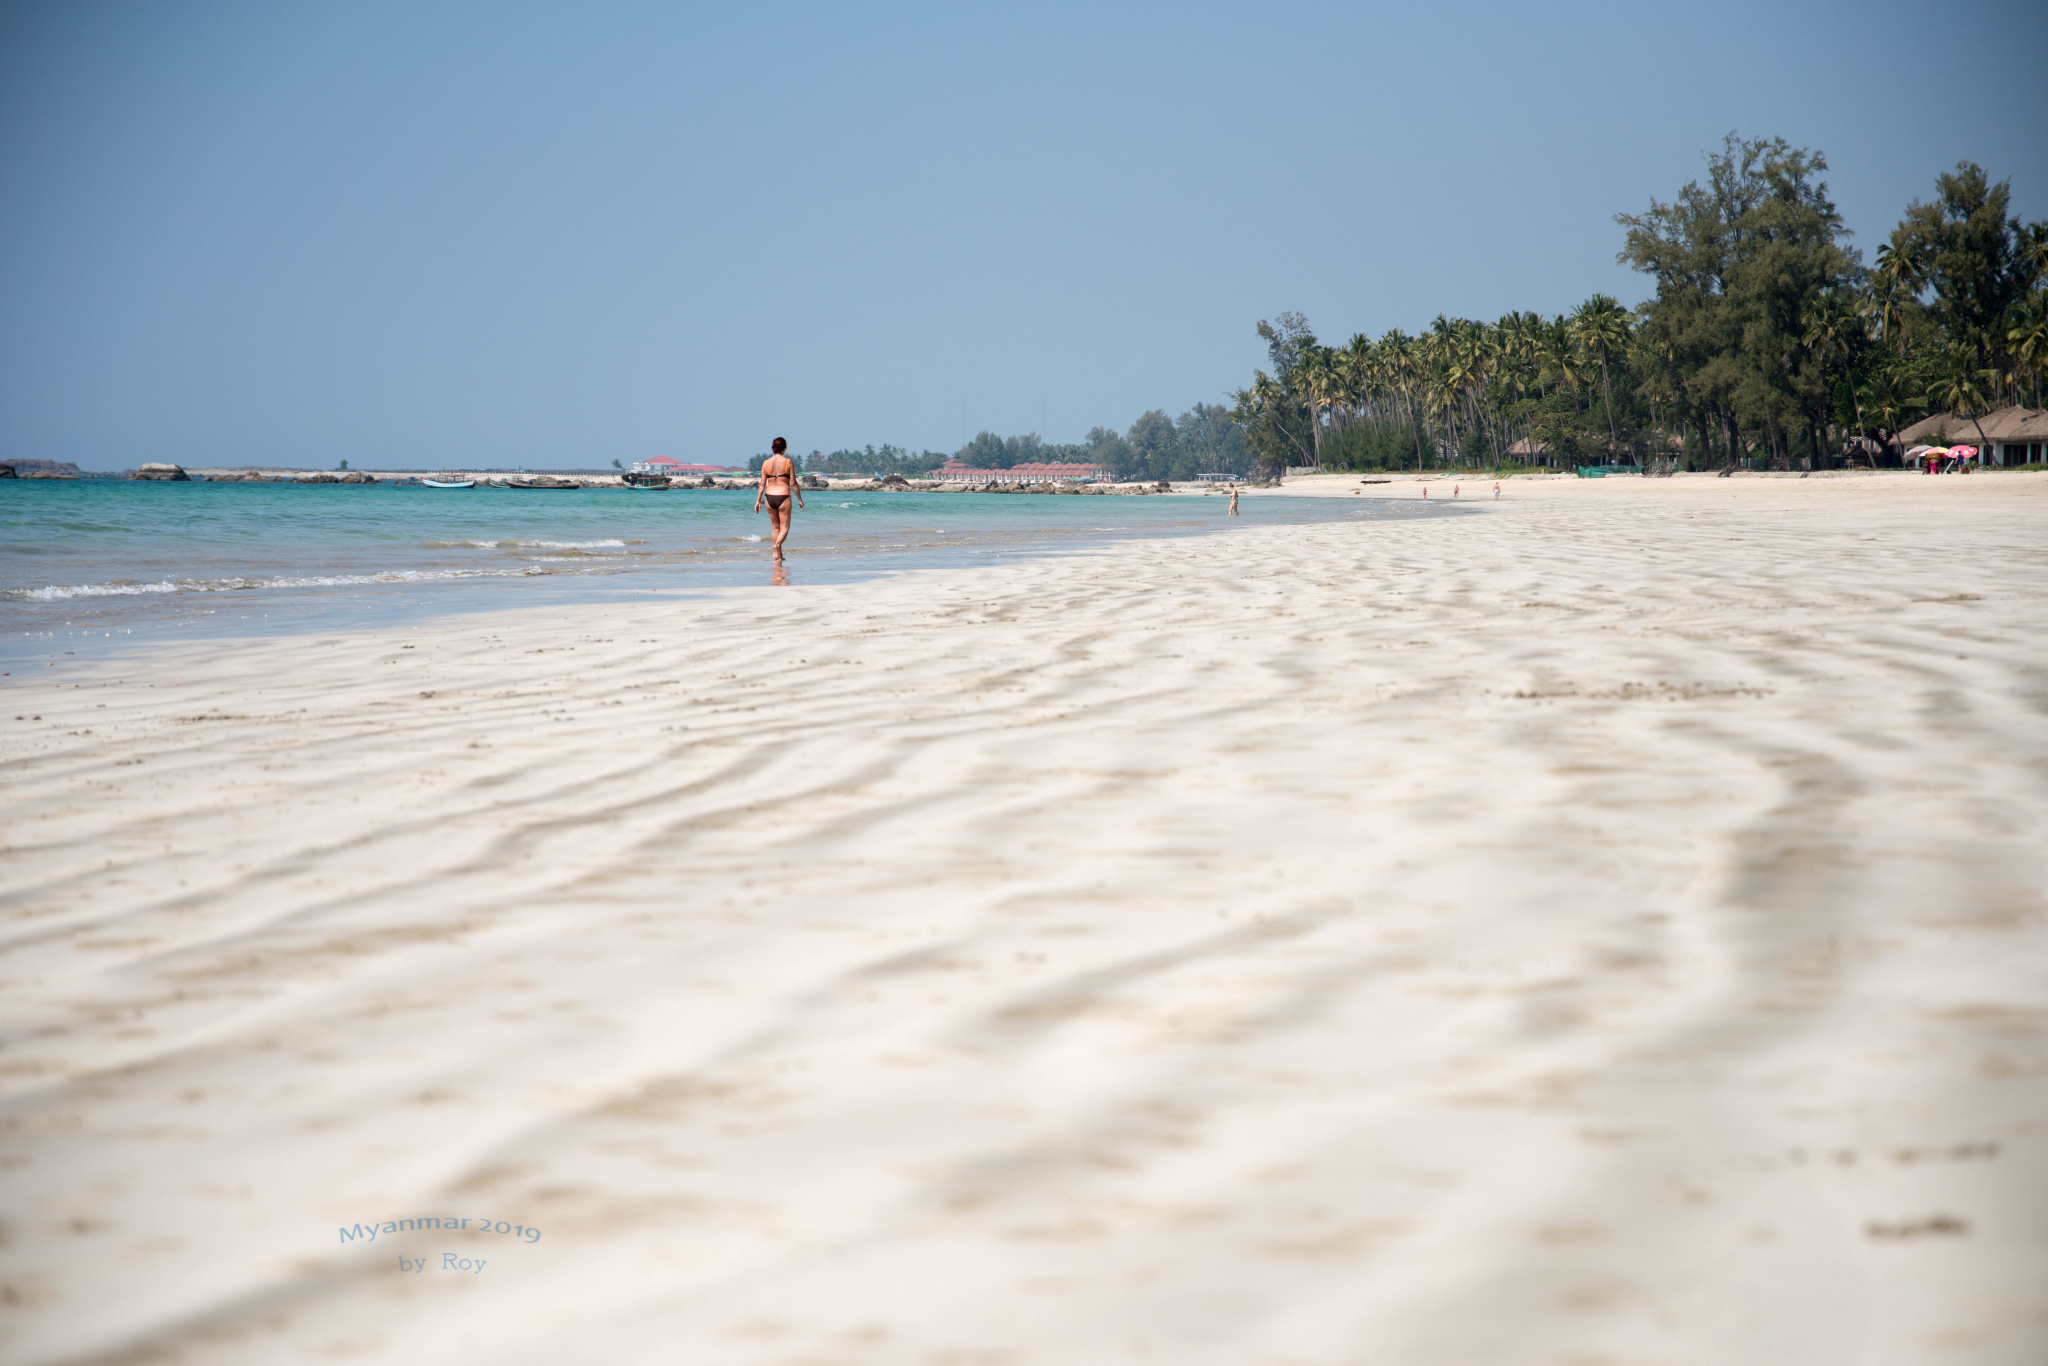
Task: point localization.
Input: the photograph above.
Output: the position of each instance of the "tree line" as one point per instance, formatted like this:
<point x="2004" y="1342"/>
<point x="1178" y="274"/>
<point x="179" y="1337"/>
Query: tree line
<point x="1767" y="337"/>
<point x="1203" y="440"/>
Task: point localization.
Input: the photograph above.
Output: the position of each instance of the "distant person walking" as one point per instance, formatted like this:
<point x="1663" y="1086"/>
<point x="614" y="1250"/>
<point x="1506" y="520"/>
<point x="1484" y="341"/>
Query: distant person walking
<point x="778" y="486"/>
<point x="1233" y="502"/>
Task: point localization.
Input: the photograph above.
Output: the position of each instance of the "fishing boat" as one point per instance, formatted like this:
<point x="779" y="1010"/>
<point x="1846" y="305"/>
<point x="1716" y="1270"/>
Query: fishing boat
<point x="448" y="481"/>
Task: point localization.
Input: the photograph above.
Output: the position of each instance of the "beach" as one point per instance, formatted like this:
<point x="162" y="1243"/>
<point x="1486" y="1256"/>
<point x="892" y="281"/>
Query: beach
<point x="1605" y="926"/>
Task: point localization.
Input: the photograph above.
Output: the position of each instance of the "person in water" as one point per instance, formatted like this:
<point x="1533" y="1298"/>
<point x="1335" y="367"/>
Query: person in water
<point x="1233" y="500"/>
<point x="778" y="486"/>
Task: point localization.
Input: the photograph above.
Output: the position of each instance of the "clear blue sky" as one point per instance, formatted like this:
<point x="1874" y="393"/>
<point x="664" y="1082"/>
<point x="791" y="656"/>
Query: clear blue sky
<point x="424" y="234"/>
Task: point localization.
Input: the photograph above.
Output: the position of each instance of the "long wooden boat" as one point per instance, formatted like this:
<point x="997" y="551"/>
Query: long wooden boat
<point x="449" y="483"/>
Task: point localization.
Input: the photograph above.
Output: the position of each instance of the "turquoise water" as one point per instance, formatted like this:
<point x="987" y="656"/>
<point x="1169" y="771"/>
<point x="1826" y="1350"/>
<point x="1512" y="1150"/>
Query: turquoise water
<point x="106" y="559"/>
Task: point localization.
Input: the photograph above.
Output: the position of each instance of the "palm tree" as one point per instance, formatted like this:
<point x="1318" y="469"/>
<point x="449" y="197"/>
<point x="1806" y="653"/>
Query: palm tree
<point x="1321" y="377"/>
<point x="1900" y="269"/>
<point x="1561" y="355"/>
<point x="1832" y="326"/>
<point x="1360" y="363"/>
<point x="2029" y="338"/>
<point x="1400" y="369"/>
<point x="1601" y="325"/>
<point x="1883" y="393"/>
<point x="1963" y="389"/>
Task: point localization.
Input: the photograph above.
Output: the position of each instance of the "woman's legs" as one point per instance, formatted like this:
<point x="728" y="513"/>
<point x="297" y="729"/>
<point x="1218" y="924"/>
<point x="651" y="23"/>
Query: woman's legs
<point x="780" y="518"/>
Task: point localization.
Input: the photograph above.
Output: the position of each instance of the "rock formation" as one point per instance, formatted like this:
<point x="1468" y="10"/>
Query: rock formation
<point x="40" y="469"/>
<point x="164" y="472"/>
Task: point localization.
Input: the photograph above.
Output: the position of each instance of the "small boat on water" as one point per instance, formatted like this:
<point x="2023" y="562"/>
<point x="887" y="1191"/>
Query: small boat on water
<point x="448" y="481"/>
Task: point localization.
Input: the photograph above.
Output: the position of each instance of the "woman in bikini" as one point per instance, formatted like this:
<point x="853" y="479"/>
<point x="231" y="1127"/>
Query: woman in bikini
<point x="778" y="486"/>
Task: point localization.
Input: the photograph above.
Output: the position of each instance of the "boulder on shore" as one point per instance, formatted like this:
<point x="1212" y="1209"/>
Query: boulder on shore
<point x="238" y="477"/>
<point x="162" y="472"/>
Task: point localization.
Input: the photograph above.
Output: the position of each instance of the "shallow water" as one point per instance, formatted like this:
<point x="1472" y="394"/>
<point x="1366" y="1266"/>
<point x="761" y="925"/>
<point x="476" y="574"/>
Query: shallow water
<point x="105" y="560"/>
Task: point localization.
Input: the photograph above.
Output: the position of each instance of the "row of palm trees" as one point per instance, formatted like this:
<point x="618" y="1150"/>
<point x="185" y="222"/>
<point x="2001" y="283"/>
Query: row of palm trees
<point x="1463" y="377"/>
<point x="1458" y="379"/>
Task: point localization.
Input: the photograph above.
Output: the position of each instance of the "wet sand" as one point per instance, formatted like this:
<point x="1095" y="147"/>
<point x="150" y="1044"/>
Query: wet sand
<point x="1607" y="927"/>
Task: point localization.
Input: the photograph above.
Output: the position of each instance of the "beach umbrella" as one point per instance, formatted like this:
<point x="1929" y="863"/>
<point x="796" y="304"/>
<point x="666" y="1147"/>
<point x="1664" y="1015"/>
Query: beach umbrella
<point x="1962" y="452"/>
<point x="1919" y="450"/>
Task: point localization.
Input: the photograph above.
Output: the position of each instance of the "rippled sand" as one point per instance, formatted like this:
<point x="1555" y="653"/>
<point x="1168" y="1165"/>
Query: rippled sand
<point x="1607" y="927"/>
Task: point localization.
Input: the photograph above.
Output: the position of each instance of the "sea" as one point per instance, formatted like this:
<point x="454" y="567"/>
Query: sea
<point x="101" y="563"/>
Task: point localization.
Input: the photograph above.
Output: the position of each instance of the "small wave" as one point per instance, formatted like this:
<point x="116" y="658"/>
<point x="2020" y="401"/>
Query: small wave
<point x="116" y="589"/>
<point x="747" y="538"/>
<point x="119" y="589"/>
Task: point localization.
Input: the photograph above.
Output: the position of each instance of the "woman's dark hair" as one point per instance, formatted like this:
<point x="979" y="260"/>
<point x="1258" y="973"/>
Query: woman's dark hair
<point x="780" y="446"/>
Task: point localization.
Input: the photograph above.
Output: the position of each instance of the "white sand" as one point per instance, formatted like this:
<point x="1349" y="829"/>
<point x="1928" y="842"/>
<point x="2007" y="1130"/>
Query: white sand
<point x="1604" y="928"/>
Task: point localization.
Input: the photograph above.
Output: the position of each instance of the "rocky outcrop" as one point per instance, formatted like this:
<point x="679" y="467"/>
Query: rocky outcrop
<point x="170" y="474"/>
<point x="239" y="477"/>
<point x="813" y="481"/>
<point x="547" y="481"/>
<point x="40" y="469"/>
<point x="351" y="477"/>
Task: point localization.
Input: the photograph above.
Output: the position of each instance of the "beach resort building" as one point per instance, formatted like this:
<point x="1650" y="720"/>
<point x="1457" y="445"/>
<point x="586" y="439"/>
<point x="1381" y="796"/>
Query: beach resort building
<point x="2011" y="436"/>
<point x="953" y="472"/>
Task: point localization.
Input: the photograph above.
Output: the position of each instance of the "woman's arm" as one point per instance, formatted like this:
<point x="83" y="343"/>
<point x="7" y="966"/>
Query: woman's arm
<point x="761" y="486"/>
